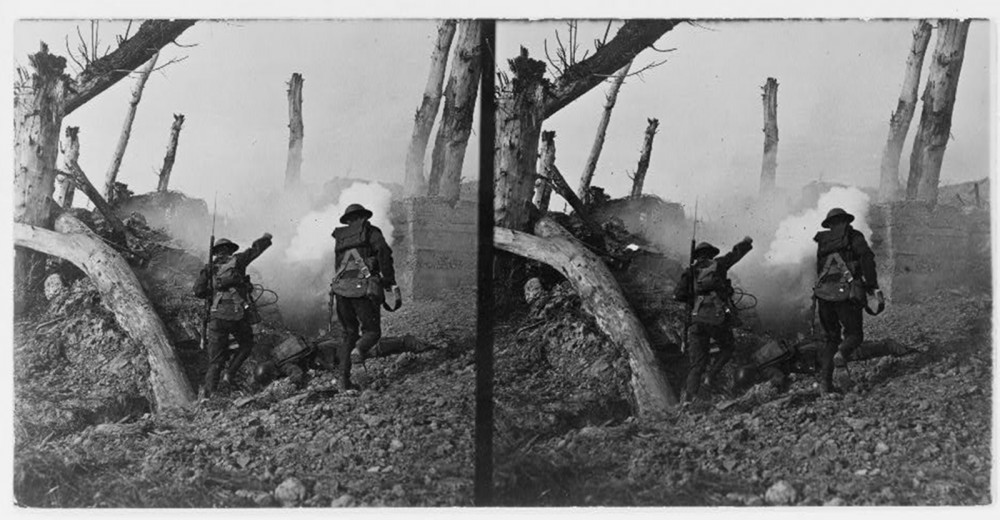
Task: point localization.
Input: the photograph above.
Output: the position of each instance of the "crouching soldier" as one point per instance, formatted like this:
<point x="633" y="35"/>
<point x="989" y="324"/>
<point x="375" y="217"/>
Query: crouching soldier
<point x="226" y="285"/>
<point x="363" y="271"/>
<point x="775" y="360"/>
<point x="706" y="288"/>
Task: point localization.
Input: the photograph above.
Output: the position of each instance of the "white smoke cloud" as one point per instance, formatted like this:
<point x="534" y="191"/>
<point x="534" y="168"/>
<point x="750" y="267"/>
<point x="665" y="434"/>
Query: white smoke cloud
<point x="793" y="241"/>
<point x="312" y="241"/>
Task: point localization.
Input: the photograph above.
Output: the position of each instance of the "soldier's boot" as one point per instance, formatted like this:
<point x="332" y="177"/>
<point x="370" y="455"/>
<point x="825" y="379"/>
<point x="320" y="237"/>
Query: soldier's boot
<point x="826" y="387"/>
<point x="839" y="361"/>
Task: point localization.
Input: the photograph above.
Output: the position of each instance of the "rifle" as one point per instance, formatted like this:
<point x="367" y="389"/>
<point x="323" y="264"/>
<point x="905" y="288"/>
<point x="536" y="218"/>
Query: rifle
<point x="211" y="277"/>
<point x="687" y="318"/>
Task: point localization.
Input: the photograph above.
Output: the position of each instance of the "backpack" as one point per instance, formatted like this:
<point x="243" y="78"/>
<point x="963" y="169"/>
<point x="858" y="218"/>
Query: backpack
<point x="771" y="353"/>
<point x="353" y="276"/>
<point x="291" y="350"/>
<point x="836" y="281"/>
<point x="711" y="304"/>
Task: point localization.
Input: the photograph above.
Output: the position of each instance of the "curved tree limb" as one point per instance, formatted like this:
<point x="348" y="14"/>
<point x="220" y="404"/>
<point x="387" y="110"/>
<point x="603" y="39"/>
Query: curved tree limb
<point x="603" y="299"/>
<point x="121" y="292"/>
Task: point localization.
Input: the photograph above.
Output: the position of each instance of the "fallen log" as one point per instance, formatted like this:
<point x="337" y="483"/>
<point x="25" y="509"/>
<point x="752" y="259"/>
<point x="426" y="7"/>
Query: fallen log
<point x="121" y="292"/>
<point x="603" y="299"/>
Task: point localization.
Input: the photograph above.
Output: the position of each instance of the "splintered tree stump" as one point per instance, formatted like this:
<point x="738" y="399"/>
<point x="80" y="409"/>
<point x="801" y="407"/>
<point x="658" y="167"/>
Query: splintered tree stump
<point x="171" y="155"/>
<point x="602" y="298"/>
<point x="65" y="187"/>
<point x="445" y="178"/>
<point x="647" y="151"/>
<point x="899" y="123"/>
<point x="543" y="189"/>
<point x="116" y="160"/>
<point x="769" y="165"/>
<point x="296" y="132"/>
<point x="602" y="129"/>
<point x="122" y="293"/>
<point x="423" y="122"/>
<point x="935" y="115"/>
<point x="38" y="115"/>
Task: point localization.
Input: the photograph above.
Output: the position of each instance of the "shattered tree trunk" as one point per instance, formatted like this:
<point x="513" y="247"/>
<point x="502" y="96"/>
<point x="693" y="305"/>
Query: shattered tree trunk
<point x="168" y="159"/>
<point x="899" y="123"/>
<point x="445" y="178"/>
<point x="602" y="298"/>
<point x="38" y="115"/>
<point x="116" y="160"/>
<point x="769" y="165"/>
<point x="602" y="129"/>
<point x="293" y="166"/>
<point x="935" y="115"/>
<point x="543" y="188"/>
<point x="519" y="123"/>
<point x="647" y="150"/>
<point x="65" y="187"/>
<point x="122" y="294"/>
<point x="423" y="122"/>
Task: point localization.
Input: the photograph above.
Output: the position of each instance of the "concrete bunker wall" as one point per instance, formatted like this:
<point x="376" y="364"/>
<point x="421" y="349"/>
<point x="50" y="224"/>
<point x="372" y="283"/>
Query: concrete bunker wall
<point x="436" y="246"/>
<point x="922" y="250"/>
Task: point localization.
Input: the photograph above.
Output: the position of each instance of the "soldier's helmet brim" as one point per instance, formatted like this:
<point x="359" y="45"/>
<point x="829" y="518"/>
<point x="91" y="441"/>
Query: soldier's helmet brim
<point x="355" y="209"/>
<point x="225" y="244"/>
<point x="835" y="215"/>
<point x="705" y="248"/>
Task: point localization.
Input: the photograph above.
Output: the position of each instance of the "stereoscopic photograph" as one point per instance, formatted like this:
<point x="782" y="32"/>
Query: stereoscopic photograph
<point x="326" y="263"/>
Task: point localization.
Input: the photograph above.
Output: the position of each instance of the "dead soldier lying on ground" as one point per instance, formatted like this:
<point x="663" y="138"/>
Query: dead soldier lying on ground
<point x="776" y="360"/>
<point x="293" y="357"/>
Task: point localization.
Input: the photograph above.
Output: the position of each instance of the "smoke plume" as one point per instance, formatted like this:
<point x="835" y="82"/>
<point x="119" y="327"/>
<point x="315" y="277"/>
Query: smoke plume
<point x="793" y="241"/>
<point x="312" y="241"/>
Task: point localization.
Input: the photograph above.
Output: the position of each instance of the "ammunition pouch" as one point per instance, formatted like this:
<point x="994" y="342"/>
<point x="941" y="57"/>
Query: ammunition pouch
<point x="710" y="309"/>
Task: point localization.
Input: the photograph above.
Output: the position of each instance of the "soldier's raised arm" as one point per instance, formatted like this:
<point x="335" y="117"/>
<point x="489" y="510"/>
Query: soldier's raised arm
<point x="739" y="251"/>
<point x="256" y="249"/>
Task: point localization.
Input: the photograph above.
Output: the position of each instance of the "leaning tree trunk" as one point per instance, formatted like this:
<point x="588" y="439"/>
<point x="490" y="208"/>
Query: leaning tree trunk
<point x="543" y="187"/>
<point x="935" y="116"/>
<point x="602" y="298"/>
<point x="647" y="150"/>
<point x="769" y="165"/>
<point x="116" y="160"/>
<point x="38" y="115"/>
<point x="452" y="138"/>
<point x="118" y="228"/>
<point x="168" y="159"/>
<point x="121" y="292"/>
<point x="293" y="167"/>
<point x="602" y="129"/>
<point x="423" y="122"/>
<point x="65" y="187"/>
<point x="899" y="123"/>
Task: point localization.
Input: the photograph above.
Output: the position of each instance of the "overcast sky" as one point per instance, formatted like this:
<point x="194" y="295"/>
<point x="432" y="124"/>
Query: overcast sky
<point x="839" y="81"/>
<point x="363" y="81"/>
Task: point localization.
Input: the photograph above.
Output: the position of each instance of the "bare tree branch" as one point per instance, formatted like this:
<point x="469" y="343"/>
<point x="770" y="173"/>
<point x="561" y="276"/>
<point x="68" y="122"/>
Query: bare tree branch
<point x="132" y="53"/>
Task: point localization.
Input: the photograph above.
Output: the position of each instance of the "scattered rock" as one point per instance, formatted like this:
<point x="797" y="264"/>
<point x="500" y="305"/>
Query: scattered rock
<point x="291" y="492"/>
<point x="343" y="501"/>
<point x="53" y="286"/>
<point x="395" y="445"/>
<point x="398" y="490"/>
<point x="781" y="493"/>
<point x="835" y="502"/>
<point x="881" y="448"/>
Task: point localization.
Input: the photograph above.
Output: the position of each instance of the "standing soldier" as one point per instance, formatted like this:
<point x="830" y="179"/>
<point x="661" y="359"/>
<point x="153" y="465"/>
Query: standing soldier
<point x="232" y="312"/>
<point x="363" y="272"/>
<point x="706" y="288"/>
<point x="846" y="276"/>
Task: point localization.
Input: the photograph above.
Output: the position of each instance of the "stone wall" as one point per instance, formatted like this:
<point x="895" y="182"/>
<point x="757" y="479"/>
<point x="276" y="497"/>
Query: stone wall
<point x="435" y="246"/>
<point x="921" y="251"/>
